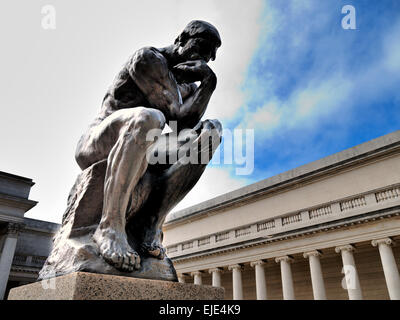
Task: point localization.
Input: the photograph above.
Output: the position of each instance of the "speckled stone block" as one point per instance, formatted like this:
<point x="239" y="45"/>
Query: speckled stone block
<point x="92" y="286"/>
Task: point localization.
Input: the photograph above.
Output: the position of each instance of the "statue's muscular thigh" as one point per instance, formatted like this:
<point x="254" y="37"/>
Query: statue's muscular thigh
<point x="96" y="144"/>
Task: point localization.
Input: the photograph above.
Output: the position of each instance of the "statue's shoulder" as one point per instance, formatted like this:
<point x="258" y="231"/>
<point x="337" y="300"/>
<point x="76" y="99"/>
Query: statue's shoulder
<point x="148" y="55"/>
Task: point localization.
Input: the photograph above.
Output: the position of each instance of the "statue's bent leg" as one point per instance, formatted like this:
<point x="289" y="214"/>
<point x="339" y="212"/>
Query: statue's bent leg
<point x="172" y="186"/>
<point x="126" y="164"/>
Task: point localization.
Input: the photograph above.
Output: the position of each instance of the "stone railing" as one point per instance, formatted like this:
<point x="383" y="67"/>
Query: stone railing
<point x="187" y="245"/>
<point x="294" y="218"/>
<point x="270" y="224"/>
<point x="326" y="212"/>
<point x="25" y="260"/>
<point x="243" y="231"/>
<point x="387" y="194"/>
<point x="204" y="241"/>
<point x="319" y="212"/>
<point x="222" y="236"/>
<point x="353" y="203"/>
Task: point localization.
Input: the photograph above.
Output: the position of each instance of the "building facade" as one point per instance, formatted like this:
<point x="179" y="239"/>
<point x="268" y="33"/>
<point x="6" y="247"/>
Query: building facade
<point x="24" y="243"/>
<point x="325" y="230"/>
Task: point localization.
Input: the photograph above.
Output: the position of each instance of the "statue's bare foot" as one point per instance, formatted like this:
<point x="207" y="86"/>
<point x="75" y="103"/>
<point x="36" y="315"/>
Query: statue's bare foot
<point x="115" y="249"/>
<point x="154" y="249"/>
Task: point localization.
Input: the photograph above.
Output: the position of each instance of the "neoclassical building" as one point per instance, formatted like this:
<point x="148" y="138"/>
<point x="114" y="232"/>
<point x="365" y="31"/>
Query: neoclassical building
<point x="325" y="230"/>
<point x="24" y="243"/>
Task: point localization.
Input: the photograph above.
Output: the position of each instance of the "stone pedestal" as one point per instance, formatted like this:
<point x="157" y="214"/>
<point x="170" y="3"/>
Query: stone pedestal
<point x="91" y="286"/>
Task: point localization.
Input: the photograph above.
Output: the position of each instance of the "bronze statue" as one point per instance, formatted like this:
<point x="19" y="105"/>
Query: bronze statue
<point x="119" y="202"/>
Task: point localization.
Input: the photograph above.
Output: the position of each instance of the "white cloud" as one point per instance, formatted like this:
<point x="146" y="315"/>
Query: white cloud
<point x="239" y="25"/>
<point x="329" y="87"/>
<point x="304" y="106"/>
<point x="268" y="117"/>
<point x="214" y="182"/>
<point x="392" y="50"/>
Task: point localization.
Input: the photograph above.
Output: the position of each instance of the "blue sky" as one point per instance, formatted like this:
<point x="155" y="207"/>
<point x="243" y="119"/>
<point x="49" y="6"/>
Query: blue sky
<point x="312" y="88"/>
<point x="286" y="69"/>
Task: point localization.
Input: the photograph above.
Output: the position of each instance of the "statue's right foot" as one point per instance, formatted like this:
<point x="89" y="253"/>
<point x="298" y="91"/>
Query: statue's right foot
<point x="115" y="250"/>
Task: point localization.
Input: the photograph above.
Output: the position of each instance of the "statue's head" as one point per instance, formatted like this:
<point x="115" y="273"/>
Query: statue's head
<point x="199" y="40"/>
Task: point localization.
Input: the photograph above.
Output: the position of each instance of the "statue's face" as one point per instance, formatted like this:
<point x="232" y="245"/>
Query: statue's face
<point x="198" y="48"/>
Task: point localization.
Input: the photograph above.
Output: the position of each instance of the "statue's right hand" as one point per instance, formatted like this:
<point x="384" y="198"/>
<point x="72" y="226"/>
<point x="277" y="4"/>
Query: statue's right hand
<point x="192" y="71"/>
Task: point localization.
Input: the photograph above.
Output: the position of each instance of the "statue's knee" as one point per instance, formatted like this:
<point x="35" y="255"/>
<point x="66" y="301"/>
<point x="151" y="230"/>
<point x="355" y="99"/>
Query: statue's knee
<point x="147" y="119"/>
<point x="217" y="126"/>
<point x="81" y="157"/>
<point x="214" y="127"/>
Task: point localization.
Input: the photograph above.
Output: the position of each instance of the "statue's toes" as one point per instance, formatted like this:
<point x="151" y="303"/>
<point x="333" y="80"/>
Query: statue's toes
<point x="161" y="256"/>
<point x="158" y="252"/>
<point x="131" y="261"/>
<point x="110" y="256"/>
<point x="155" y="251"/>
<point x="115" y="258"/>
<point x="124" y="259"/>
<point x="135" y="260"/>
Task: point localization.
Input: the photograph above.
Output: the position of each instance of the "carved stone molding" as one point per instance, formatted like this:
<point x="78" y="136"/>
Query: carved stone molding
<point x="270" y="239"/>
<point x="314" y="253"/>
<point x="216" y="270"/>
<point x="257" y="263"/>
<point x="235" y="267"/>
<point x="284" y="258"/>
<point x="196" y="273"/>
<point x="14" y="228"/>
<point x="347" y="247"/>
<point x="387" y="241"/>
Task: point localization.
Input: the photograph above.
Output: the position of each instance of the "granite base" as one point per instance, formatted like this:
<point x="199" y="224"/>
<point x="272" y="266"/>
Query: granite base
<point x="92" y="286"/>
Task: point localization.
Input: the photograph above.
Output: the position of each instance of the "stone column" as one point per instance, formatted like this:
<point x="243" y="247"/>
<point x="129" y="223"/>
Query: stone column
<point x="352" y="281"/>
<point x="182" y="278"/>
<point x="237" y="281"/>
<point x="261" y="284"/>
<point x="389" y="267"/>
<point x="197" y="277"/>
<point x="216" y="276"/>
<point x="7" y="255"/>
<point x="317" y="279"/>
<point x="287" y="279"/>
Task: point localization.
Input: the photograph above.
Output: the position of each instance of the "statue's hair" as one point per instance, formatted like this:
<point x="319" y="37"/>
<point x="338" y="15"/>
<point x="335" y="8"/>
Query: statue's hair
<point x="199" y="28"/>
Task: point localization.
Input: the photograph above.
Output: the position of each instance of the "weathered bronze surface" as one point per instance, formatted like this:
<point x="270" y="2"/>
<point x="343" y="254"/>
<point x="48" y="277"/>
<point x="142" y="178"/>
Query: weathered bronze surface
<point x="118" y="204"/>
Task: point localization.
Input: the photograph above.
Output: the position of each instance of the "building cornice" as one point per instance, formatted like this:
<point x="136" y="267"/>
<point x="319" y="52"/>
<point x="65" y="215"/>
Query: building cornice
<point x="17" y="202"/>
<point x="15" y="177"/>
<point x="293" y="234"/>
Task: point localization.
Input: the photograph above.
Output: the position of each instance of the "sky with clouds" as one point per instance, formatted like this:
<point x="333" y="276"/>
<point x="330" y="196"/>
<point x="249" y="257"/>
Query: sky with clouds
<point x="286" y="69"/>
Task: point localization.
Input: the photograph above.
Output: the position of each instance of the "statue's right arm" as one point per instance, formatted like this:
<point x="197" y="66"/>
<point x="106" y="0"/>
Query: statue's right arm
<point x="150" y="72"/>
<point x="149" y="69"/>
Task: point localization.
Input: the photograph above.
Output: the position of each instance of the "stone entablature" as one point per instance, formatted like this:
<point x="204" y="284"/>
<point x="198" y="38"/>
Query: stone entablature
<point x="348" y="211"/>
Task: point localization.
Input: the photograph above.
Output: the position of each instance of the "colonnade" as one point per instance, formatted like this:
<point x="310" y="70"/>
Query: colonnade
<point x="351" y="277"/>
